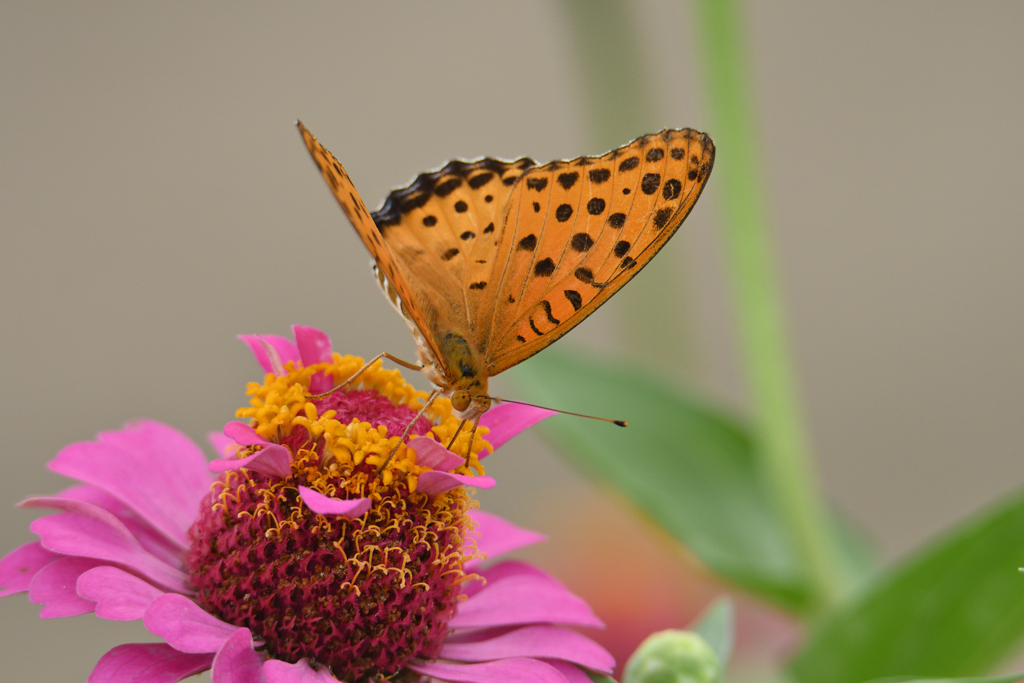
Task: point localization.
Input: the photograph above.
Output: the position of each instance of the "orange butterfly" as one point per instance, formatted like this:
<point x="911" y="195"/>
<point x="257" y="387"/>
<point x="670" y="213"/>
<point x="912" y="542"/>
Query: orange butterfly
<point x="491" y="261"/>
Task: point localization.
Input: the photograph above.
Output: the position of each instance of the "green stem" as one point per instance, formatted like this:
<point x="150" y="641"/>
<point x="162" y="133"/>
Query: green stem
<point x="783" y="445"/>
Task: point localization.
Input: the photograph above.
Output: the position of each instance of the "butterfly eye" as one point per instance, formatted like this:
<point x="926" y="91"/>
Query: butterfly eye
<point x="460" y="400"/>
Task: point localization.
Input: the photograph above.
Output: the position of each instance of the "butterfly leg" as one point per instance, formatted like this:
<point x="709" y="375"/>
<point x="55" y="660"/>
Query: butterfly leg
<point x="472" y="437"/>
<point x="456" y="434"/>
<point x="434" y="394"/>
<point x="366" y="366"/>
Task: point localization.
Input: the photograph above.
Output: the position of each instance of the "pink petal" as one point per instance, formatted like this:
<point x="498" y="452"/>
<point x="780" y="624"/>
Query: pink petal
<point x="286" y="350"/>
<point x="503" y="570"/>
<point x="506" y="420"/>
<point x="277" y="671"/>
<point x="152" y="468"/>
<point x="502" y="671"/>
<point x="149" y="538"/>
<point x="508" y="568"/>
<point x="147" y="663"/>
<point x="430" y="453"/>
<point x="54" y="587"/>
<point x="87" y="493"/>
<point x="273" y="460"/>
<point x="523" y="599"/>
<point x="314" y="347"/>
<point x="433" y="482"/>
<point x="222" y="445"/>
<point x="118" y="595"/>
<point x="19" y="566"/>
<point x="325" y="505"/>
<point x="89" y="531"/>
<point x="237" y="661"/>
<point x="498" y="535"/>
<point x="537" y="641"/>
<point x="186" y="626"/>
<point x="572" y="673"/>
<point x="243" y="434"/>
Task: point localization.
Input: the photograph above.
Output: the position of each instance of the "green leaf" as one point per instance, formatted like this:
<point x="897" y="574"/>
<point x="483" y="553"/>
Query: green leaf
<point x="689" y="468"/>
<point x="1012" y="678"/>
<point x="717" y="626"/>
<point x="955" y="608"/>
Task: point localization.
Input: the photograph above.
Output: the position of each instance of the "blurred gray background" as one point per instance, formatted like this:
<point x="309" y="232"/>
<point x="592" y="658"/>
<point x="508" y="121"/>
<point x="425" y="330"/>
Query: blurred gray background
<point x="156" y="200"/>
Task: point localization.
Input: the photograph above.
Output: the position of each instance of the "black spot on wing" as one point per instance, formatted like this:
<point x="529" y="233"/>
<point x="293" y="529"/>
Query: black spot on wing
<point x="617" y="220"/>
<point x="528" y="243"/>
<point x="450" y="254"/>
<point x="574" y="298"/>
<point x="478" y="181"/>
<point x="678" y="153"/>
<point x="563" y="213"/>
<point x="415" y="201"/>
<point x="489" y="229"/>
<point x="468" y="235"/>
<point x="595" y="206"/>
<point x="584" y="275"/>
<point x="534" y="328"/>
<point x="627" y="263"/>
<point x="544" y="268"/>
<point x="447" y="187"/>
<point x="430" y="221"/>
<point x="650" y="183"/>
<point x="655" y="154"/>
<point x="547" y="311"/>
<point x="629" y="164"/>
<point x="567" y="180"/>
<point x="661" y="218"/>
<point x="672" y="189"/>
<point x="621" y="248"/>
<point x="581" y="242"/>
<point x="478" y="285"/>
<point x="599" y="175"/>
<point x="537" y="184"/>
<point x="461" y="206"/>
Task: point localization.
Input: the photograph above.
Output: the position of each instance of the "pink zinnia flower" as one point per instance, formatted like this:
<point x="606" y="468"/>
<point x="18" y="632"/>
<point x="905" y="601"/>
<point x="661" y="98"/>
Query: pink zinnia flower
<point x="312" y="556"/>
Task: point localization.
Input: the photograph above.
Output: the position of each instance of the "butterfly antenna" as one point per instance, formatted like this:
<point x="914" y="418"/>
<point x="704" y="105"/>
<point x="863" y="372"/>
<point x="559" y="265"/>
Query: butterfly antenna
<point x="620" y="423"/>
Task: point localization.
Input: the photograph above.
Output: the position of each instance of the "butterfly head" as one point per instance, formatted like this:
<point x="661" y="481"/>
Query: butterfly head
<point x="464" y="375"/>
<point x="467" y="406"/>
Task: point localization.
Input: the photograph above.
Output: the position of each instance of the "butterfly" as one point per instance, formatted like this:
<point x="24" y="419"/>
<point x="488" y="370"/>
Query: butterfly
<point x="491" y="261"/>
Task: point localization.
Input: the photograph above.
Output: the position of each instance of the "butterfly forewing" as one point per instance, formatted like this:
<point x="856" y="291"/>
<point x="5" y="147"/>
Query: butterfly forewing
<point x="577" y="231"/>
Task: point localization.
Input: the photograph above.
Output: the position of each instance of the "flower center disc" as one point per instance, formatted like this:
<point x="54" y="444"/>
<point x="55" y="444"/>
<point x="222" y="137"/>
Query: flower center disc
<point x="360" y="596"/>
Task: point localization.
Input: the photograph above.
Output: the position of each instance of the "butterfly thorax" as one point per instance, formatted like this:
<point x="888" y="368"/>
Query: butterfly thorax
<point x="460" y="373"/>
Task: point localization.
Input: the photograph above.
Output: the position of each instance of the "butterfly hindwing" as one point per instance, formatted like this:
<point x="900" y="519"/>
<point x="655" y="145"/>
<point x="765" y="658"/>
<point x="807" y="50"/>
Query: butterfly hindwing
<point x="577" y="231"/>
<point x="444" y="229"/>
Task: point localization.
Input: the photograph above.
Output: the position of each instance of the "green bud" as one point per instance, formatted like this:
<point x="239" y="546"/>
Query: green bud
<point x="673" y="657"/>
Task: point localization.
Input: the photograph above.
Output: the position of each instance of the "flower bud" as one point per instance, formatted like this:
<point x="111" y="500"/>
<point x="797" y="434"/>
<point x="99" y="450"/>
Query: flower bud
<point x="673" y="657"/>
